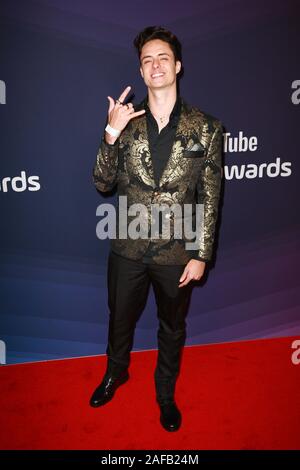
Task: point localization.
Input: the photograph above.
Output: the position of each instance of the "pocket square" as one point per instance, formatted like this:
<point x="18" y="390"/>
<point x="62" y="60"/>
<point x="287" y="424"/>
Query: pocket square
<point x="196" y="146"/>
<point x="197" y="150"/>
<point x="194" y="153"/>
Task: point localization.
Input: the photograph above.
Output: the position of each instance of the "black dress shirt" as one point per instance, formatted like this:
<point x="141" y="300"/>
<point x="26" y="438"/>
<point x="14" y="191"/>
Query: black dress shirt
<point x="160" y="144"/>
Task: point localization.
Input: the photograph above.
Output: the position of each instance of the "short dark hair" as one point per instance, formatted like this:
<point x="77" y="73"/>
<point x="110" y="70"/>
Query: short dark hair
<point x="158" y="32"/>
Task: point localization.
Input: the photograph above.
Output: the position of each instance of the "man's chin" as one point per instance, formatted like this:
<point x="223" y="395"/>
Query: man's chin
<point x="157" y="86"/>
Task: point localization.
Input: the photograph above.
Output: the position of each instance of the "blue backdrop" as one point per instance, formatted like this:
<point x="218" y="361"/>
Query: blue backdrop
<point x="59" y="61"/>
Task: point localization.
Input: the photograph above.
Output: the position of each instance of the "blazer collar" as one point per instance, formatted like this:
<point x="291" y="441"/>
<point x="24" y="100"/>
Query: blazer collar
<point x="186" y="128"/>
<point x="175" y="113"/>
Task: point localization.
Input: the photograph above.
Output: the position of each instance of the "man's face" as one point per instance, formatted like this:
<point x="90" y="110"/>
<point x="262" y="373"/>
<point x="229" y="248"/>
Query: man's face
<point x="158" y="67"/>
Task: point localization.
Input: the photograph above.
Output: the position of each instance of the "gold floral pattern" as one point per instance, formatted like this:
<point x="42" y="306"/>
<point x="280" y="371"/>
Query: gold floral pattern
<point x="128" y="164"/>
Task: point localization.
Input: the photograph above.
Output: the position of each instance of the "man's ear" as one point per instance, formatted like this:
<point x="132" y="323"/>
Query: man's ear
<point x="178" y="66"/>
<point x="141" y="70"/>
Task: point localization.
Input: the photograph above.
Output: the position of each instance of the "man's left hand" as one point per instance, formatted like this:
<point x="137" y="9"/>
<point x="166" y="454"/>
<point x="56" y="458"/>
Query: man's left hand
<point x="193" y="271"/>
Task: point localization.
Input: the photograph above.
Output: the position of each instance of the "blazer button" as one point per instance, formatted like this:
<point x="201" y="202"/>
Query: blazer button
<point x="155" y="193"/>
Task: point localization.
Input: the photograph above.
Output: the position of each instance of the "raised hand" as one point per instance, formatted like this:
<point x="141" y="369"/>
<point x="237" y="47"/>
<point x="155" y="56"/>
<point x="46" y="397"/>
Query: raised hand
<point x="119" y="114"/>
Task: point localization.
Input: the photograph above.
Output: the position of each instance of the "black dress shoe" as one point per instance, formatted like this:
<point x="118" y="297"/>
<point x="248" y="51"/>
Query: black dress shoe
<point x="106" y="390"/>
<point x="170" y="416"/>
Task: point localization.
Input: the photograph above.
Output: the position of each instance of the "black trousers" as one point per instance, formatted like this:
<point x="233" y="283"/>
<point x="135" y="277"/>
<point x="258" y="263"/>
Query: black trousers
<point x="128" y="285"/>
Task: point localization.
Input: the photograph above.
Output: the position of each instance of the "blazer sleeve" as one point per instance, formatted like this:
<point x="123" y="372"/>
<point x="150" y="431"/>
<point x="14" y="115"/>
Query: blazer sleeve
<point x="208" y="192"/>
<point x="106" y="166"/>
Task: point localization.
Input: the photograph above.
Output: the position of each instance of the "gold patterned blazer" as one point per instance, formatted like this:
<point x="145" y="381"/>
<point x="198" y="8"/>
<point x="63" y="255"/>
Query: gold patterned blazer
<point x="192" y="175"/>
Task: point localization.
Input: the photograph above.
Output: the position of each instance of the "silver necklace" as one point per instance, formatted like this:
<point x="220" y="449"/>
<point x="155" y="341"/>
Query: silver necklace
<point x="162" y="118"/>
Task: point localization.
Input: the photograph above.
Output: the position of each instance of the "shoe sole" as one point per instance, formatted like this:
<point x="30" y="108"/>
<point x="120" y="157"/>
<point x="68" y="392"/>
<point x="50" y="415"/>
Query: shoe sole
<point x="121" y="382"/>
<point x="170" y="429"/>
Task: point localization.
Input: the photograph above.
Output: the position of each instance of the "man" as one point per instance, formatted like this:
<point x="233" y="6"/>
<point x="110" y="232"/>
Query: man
<point x="163" y="152"/>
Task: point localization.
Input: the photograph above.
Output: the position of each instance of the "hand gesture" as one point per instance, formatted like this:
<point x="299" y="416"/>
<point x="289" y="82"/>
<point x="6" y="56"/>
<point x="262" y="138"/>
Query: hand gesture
<point x="120" y="114"/>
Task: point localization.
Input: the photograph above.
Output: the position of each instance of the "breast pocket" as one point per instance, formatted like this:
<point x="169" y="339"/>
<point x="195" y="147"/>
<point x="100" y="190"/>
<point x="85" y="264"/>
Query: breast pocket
<point x="194" y="149"/>
<point x="194" y="153"/>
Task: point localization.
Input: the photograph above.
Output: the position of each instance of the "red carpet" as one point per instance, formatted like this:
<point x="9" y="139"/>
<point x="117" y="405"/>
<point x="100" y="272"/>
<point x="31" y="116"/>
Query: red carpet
<point x="232" y="396"/>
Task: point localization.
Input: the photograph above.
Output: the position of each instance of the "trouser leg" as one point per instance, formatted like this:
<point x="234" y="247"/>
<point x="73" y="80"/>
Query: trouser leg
<point x="172" y="308"/>
<point x="128" y="285"/>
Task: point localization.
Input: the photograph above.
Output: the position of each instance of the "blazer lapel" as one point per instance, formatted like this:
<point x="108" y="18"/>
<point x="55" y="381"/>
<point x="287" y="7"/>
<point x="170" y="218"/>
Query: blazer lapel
<point x="147" y="160"/>
<point x="175" y="162"/>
